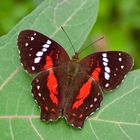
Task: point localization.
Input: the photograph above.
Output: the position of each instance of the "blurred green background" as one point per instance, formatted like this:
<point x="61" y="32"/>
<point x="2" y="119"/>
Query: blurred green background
<point x="118" y="22"/>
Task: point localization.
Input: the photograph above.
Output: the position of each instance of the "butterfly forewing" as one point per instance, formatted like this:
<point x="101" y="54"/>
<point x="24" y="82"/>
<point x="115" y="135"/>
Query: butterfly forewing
<point x="39" y="52"/>
<point x="108" y="68"/>
<point x="83" y="98"/>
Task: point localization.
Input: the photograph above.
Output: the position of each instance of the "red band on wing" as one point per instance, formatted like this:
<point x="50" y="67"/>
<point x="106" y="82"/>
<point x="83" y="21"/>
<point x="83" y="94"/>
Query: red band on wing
<point x="52" y="86"/>
<point x="84" y="92"/>
<point x="95" y="73"/>
<point x="49" y="62"/>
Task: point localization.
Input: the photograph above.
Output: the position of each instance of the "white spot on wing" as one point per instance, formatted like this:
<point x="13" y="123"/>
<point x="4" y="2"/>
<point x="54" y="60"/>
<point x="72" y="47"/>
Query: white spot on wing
<point x="107" y="85"/>
<point x="32" y="38"/>
<point x="105" y="59"/>
<point x="46" y="46"/>
<point x="40" y="53"/>
<point x="122" y="66"/>
<point x="95" y="99"/>
<point x="39" y="94"/>
<point x="26" y="44"/>
<point x="104" y="55"/>
<point x="107" y="69"/>
<point x="120" y="59"/>
<point x="48" y="42"/>
<point x="34" y="34"/>
<point x="107" y="76"/>
<point x="33" y="68"/>
<point x="38" y="87"/>
<point x="44" y="49"/>
<point x="119" y="54"/>
<point x="37" y="59"/>
<point x="91" y="105"/>
<point x="104" y="63"/>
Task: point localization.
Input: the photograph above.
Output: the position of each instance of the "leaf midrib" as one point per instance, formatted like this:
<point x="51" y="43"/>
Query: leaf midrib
<point x="90" y="119"/>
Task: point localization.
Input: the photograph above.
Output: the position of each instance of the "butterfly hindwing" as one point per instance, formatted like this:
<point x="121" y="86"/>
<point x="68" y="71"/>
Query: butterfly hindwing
<point x="38" y="51"/>
<point x="108" y="68"/>
<point x="47" y="89"/>
<point x="83" y="98"/>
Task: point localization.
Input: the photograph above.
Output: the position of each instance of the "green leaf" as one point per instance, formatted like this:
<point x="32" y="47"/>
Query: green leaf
<point x="119" y="116"/>
<point x="19" y="115"/>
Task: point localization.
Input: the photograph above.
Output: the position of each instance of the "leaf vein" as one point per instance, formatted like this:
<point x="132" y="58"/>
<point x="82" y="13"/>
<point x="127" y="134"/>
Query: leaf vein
<point x="138" y="117"/>
<point x="92" y="129"/>
<point x="55" y="9"/>
<point x="115" y="100"/>
<point x="33" y="126"/>
<point x="124" y="132"/>
<point x="19" y="117"/>
<point x="9" y="78"/>
<point x="115" y="122"/>
<point x="11" y="131"/>
<point x="69" y="18"/>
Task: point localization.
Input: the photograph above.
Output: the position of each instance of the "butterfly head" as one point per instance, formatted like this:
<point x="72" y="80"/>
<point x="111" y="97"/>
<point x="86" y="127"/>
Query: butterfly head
<point x="75" y="58"/>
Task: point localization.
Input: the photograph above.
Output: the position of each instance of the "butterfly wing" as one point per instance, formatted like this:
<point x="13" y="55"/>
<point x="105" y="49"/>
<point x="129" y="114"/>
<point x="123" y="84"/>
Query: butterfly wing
<point x="39" y="52"/>
<point x="108" y="68"/>
<point x="47" y="89"/>
<point x="83" y="98"/>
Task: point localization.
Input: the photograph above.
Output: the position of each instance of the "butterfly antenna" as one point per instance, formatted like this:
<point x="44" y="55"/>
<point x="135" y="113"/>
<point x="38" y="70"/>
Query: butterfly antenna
<point x="91" y="44"/>
<point x="68" y="39"/>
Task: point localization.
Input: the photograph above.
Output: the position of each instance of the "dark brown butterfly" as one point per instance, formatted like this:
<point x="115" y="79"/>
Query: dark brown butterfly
<point x="69" y="87"/>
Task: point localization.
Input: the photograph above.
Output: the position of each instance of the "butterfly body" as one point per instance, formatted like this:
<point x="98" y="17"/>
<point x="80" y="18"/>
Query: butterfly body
<point x="73" y="69"/>
<point x="69" y="87"/>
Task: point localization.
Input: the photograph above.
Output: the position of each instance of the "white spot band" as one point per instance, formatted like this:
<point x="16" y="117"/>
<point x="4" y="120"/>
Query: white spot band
<point x="105" y="59"/>
<point x="37" y="59"/>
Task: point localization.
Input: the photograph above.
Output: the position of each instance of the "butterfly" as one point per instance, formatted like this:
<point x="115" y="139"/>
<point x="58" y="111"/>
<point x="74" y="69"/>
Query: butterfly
<point x="68" y="87"/>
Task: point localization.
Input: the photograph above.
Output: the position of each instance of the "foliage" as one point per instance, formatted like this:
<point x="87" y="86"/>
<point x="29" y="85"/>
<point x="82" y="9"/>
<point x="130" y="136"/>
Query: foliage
<point x="11" y="11"/>
<point x="119" y="115"/>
